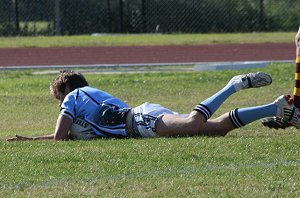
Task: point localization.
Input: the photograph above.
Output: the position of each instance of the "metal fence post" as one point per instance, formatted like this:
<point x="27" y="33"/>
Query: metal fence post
<point x="57" y="17"/>
<point x="109" y="16"/>
<point x="144" y="27"/>
<point x="121" y="15"/>
<point x="261" y="15"/>
<point x="17" y="19"/>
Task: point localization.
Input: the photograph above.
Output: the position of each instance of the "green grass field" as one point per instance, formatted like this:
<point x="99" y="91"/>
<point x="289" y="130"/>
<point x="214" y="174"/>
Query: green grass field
<point x="146" y="39"/>
<point x="249" y="162"/>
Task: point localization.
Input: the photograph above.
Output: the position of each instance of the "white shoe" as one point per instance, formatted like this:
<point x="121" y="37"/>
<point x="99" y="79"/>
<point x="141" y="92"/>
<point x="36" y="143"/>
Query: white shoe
<point x="251" y="80"/>
<point x="287" y="110"/>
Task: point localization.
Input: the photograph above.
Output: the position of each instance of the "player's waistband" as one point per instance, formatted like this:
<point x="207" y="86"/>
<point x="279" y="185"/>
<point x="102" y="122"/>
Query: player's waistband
<point x="130" y="126"/>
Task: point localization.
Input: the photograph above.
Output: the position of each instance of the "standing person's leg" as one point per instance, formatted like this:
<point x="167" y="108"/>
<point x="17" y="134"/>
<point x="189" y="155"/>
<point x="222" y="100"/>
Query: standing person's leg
<point x="170" y="125"/>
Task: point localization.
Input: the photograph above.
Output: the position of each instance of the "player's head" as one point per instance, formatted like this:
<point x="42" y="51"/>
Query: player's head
<point x="65" y="82"/>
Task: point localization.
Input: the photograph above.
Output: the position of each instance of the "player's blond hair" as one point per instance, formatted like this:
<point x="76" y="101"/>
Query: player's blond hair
<point x="66" y="77"/>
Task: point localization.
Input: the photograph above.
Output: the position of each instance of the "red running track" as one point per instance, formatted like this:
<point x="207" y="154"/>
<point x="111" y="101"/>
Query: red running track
<point x="145" y="54"/>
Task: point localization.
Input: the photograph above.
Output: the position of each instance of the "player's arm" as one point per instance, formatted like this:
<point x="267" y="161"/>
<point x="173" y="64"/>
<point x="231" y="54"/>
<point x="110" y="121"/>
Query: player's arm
<point x="26" y="138"/>
<point x="62" y="128"/>
<point x="61" y="131"/>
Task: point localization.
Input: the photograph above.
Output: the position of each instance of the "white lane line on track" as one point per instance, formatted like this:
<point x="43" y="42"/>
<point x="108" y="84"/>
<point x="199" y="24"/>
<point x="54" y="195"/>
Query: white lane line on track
<point x="197" y="65"/>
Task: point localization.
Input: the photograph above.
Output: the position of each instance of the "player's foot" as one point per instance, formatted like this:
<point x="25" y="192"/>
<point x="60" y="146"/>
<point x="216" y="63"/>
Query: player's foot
<point x="275" y="123"/>
<point x="287" y="110"/>
<point x="251" y="80"/>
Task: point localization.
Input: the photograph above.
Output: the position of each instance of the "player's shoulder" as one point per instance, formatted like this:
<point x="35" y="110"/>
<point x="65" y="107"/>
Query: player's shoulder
<point x="89" y="89"/>
<point x="81" y="90"/>
<point x="73" y="95"/>
<point x="88" y="92"/>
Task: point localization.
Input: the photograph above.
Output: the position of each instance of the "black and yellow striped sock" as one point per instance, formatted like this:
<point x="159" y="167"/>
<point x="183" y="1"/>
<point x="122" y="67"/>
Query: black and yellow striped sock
<point x="297" y="83"/>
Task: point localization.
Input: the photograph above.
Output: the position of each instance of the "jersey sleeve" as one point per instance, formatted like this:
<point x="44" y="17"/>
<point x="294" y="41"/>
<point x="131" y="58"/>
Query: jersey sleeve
<point x="68" y="106"/>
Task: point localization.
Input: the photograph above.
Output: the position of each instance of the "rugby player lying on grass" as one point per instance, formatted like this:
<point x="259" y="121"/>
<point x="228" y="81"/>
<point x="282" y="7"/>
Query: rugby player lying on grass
<point x="110" y="117"/>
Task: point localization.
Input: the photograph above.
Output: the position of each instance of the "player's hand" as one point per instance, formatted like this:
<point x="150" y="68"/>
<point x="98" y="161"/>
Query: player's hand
<point x="19" y="138"/>
<point x="297" y="38"/>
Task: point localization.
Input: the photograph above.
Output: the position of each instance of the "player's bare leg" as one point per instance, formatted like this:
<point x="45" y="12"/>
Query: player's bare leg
<point x="218" y="127"/>
<point x="297" y="71"/>
<point x="170" y="125"/>
<point x="195" y="124"/>
<point x="174" y="125"/>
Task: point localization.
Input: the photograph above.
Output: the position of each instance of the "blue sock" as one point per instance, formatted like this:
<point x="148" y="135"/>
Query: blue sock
<point x="241" y="117"/>
<point x="211" y="104"/>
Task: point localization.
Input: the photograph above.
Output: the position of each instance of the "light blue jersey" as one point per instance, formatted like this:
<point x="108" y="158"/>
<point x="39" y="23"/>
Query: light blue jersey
<point x="84" y="103"/>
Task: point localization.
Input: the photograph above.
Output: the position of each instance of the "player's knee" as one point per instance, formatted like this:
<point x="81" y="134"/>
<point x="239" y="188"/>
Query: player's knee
<point x="193" y="127"/>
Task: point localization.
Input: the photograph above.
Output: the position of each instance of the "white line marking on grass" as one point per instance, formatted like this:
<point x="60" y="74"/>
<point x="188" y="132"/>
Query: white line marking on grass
<point x="192" y="170"/>
<point x="157" y="173"/>
<point x="248" y="166"/>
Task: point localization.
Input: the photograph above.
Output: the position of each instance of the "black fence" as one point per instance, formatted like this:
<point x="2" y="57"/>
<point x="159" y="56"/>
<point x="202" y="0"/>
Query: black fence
<point x="73" y="17"/>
